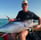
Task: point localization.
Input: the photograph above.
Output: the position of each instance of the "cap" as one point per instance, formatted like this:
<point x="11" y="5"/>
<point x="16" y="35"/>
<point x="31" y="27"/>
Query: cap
<point x="25" y="1"/>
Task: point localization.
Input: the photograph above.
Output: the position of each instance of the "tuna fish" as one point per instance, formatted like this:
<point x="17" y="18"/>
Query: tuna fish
<point x="17" y="26"/>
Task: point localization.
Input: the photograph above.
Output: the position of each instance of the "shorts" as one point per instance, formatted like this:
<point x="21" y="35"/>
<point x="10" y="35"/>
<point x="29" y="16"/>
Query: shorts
<point x="34" y="36"/>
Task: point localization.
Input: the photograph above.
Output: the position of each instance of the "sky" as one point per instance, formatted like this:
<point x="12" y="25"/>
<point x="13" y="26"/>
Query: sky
<point x="11" y="8"/>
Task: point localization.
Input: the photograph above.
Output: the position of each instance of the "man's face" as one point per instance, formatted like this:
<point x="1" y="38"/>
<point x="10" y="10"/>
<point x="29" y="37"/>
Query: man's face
<point x="24" y="6"/>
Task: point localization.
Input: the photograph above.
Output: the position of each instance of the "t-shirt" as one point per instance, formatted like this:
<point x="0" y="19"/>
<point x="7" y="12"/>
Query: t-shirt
<point x="26" y="16"/>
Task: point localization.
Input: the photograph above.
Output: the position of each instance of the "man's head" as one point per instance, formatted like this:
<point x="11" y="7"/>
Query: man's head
<point x="25" y="5"/>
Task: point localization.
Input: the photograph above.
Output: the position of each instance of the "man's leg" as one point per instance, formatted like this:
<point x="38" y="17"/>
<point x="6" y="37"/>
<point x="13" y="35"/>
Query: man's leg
<point x="23" y="35"/>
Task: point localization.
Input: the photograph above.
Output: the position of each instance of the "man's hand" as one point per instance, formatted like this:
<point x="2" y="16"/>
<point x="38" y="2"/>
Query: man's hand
<point x="37" y="28"/>
<point x="11" y="20"/>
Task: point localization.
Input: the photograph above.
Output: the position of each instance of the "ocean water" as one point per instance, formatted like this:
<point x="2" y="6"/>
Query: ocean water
<point x="3" y="22"/>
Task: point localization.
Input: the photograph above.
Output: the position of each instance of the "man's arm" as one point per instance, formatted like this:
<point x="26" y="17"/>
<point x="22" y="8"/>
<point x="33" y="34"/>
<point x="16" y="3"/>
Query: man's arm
<point x="17" y="17"/>
<point x="35" y="17"/>
<point x="38" y="27"/>
<point x="39" y="20"/>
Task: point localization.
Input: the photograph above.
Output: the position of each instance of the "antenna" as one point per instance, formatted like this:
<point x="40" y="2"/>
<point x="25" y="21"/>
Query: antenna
<point x="8" y="17"/>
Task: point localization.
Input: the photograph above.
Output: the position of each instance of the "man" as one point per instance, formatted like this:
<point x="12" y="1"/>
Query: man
<point x="25" y="14"/>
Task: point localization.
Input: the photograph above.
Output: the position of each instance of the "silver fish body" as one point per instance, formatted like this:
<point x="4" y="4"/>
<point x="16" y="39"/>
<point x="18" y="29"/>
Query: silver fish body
<point x="16" y="27"/>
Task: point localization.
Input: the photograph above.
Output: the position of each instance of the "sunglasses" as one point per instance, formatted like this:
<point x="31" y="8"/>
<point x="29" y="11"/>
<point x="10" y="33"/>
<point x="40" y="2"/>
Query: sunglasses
<point x="24" y="4"/>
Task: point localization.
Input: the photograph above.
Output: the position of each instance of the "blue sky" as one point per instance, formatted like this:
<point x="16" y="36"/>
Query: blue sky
<point x="12" y="7"/>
